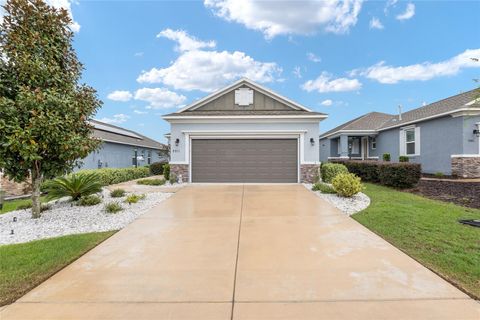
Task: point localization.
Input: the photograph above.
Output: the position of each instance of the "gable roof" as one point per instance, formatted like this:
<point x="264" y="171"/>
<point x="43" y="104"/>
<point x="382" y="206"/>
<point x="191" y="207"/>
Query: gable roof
<point x="367" y="122"/>
<point x="110" y="133"/>
<point x="377" y="121"/>
<point x="296" y="108"/>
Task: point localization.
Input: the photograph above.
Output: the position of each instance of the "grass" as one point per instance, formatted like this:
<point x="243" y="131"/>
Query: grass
<point x="113" y="207"/>
<point x="151" y="182"/>
<point x="12" y="205"/>
<point x="428" y="231"/>
<point x="24" y="266"/>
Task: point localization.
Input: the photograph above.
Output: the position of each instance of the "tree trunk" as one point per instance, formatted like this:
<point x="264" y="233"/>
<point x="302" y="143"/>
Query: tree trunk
<point x="36" y="183"/>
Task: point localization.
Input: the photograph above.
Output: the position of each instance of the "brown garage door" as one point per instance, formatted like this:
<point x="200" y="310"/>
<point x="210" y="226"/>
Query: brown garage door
<point x="244" y="160"/>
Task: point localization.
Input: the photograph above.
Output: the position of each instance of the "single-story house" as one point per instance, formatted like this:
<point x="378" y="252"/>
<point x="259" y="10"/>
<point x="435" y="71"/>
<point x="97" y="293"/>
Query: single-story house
<point x="244" y="133"/>
<point x="443" y="136"/>
<point x="122" y="148"/>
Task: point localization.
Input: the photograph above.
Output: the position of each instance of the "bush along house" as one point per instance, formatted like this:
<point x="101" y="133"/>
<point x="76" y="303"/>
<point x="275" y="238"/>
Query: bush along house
<point x="442" y="136"/>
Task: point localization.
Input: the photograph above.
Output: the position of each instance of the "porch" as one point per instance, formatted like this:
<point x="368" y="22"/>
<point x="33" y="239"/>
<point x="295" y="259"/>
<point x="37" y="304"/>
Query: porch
<point x="355" y="147"/>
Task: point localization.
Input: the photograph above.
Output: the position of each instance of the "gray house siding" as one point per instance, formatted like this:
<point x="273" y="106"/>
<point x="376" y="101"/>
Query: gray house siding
<point x="114" y="155"/>
<point x="325" y="149"/>
<point x="471" y="143"/>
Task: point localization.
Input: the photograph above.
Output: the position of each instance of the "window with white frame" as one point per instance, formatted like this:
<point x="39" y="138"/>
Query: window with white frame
<point x="410" y="141"/>
<point x="374" y="143"/>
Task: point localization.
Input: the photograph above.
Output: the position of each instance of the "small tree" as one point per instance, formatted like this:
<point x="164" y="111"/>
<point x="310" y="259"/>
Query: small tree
<point x="44" y="111"/>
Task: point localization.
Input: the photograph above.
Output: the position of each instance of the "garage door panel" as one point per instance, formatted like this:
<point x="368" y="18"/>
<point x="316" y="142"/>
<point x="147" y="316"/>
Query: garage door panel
<point x="244" y="160"/>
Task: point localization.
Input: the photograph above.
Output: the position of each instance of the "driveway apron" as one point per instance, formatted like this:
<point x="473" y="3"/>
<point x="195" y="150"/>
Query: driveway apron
<point x="244" y="252"/>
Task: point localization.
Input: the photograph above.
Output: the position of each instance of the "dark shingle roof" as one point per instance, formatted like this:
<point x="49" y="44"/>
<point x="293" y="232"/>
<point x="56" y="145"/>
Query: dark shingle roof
<point x="243" y="113"/>
<point x="369" y="121"/>
<point x="108" y="132"/>
<point x="443" y="106"/>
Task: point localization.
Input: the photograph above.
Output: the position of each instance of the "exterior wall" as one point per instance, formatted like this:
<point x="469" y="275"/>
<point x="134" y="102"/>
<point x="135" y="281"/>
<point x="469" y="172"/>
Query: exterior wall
<point x="466" y="166"/>
<point x="114" y="155"/>
<point x="12" y="188"/>
<point x="325" y="149"/>
<point x="471" y="143"/>
<point x="308" y="172"/>
<point x="181" y="171"/>
<point x="179" y="154"/>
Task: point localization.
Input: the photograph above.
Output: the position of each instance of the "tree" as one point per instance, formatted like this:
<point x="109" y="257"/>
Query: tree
<point x="44" y="110"/>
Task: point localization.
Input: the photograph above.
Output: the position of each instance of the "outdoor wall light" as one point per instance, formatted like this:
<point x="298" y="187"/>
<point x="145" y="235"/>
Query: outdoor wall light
<point x="177" y="142"/>
<point x="312" y="141"/>
<point x="476" y="132"/>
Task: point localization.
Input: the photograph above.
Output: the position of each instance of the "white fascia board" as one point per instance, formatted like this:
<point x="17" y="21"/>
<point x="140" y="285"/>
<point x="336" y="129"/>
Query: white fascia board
<point x="242" y="132"/>
<point x="452" y="113"/>
<point x="247" y="117"/>
<point x="465" y="155"/>
<point x="130" y="144"/>
<point x="351" y="132"/>
<point x="266" y="91"/>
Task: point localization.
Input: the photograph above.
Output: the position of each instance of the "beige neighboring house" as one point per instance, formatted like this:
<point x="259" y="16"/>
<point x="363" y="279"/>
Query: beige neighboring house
<point x="244" y="133"/>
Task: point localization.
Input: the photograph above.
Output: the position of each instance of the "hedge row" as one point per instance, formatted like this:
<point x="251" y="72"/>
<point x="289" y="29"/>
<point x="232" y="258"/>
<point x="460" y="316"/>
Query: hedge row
<point x="117" y="175"/>
<point x="392" y="174"/>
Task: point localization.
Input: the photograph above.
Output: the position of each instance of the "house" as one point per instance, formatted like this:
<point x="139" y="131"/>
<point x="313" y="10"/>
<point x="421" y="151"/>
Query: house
<point x="244" y="133"/>
<point x="442" y="136"/>
<point x="122" y="148"/>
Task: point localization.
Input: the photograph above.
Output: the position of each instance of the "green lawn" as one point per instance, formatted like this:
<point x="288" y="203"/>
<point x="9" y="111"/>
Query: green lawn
<point x="24" y="266"/>
<point x="428" y="231"/>
<point x="12" y="205"/>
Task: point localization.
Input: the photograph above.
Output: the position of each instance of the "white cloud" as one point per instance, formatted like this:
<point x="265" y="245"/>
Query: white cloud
<point x="312" y="57"/>
<point x="326" y="103"/>
<point x="116" y="119"/>
<point x="388" y="4"/>
<point x="375" y="23"/>
<point x="297" y="72"/>
<point x="185" y="42"/>
<point x="408" y="14"/>
<point x="159" y="98"/>
<point x="421" y="71"/>
<point x="139" y="112"/>
<point x="120" y="95"/>
<point x="138" y="54"/>
<point x="210" y="70"/>
<point x="289" y="17"/>
<point x="325" y="83"/>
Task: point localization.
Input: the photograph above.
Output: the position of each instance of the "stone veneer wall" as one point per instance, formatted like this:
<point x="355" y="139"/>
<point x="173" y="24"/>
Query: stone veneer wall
<point x="308" y="172"/>
<point x="12" y="188"/>
<point x="180" y="170"/>
<point x="466" y="166"/>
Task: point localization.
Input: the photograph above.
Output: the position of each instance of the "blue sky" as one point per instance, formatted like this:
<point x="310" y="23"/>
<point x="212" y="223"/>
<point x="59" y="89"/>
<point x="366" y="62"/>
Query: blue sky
<point x="342" y="58"/>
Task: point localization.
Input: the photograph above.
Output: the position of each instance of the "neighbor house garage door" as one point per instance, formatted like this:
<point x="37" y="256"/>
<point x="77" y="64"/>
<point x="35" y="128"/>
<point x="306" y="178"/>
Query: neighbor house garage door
<point x="244" y="160"/>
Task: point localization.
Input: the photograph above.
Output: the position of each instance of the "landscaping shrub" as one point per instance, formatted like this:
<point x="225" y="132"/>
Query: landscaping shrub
<point x="134" y="198"/>
<point x="386" y="157"/>
<point x="173" y="178"/>
<point x="110" y="176"/>
<point x="90" y="200"/>
<point x="439" y="174"/>
<point x="166" y="171"/>
<point x="76" y="185"/>
<point x="403" y="159"/>
<point x="323" y="188"/>
<point x="151" y="182"/>
<point x="25" y="206"/>
<point x="156" y="168"/>
<point x="117" y="193"/>
<point x="113" y="207"/>
<point x="400" y="175"/>
<point x="330" y="170"/>
<point x="347" y="184"/>
<point x="45" y="207"/>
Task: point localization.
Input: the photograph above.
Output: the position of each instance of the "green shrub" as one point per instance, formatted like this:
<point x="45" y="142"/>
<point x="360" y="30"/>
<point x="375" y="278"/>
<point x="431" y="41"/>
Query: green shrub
<point x="134" y="198"/>
<point x="113" y="207"/>
<point x="173" y="178"/>
<point x="347" y="184"/>
<point x="151" y="182"/>
<point x="386" y="157"/>
<point x="400" y="175"/>
<point x="323" y="188"/>
<point x="90" y="200"/>
<point x="45" y="207"/>
<point x="366" y="170"/>
<point x="25" y="206"/>
<point x="403" y="159"/>
<point x="330" y="170"/>
<point x="117" y="193"/>
<point x="75" y="185"/>
<point x="110" y="176"/>
<point x="439" y="174"/>
<point x="166" y="171"/>
<point x="156" y="168"/>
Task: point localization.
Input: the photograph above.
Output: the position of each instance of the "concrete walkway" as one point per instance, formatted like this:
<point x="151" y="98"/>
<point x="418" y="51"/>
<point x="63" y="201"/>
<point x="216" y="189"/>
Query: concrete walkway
<point x="244" y="252"/>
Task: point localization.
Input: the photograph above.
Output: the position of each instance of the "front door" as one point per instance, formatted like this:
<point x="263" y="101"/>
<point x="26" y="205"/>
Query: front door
<point x="364" y="148"/>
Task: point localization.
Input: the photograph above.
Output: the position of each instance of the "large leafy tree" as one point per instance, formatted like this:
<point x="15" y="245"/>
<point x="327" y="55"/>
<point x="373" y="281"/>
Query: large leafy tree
<point x="44" y="110"/>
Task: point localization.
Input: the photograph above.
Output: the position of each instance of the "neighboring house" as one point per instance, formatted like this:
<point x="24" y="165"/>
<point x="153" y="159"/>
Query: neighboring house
<point x="122" y="148"/>
<point x="442" y="136"/>
<point x="244" y="133"/>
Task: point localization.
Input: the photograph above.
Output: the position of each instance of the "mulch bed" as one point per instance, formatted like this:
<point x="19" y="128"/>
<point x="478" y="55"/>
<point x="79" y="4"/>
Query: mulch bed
<point x="459" y="192"/>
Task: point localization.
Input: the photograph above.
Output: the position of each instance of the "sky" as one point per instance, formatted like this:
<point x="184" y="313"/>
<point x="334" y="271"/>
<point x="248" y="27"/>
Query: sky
<point x="343" y="58"/>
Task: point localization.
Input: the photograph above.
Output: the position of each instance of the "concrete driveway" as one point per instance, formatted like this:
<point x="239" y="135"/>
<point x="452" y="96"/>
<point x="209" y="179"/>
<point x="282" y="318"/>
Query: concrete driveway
<point x="244" y="252"/>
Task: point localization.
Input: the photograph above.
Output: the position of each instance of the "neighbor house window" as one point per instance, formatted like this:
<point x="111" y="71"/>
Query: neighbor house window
<point x="410" y="141"/>
<point x="354" y="145"/>
<point x="374" y="143"/>
<point x="149" y="156"/>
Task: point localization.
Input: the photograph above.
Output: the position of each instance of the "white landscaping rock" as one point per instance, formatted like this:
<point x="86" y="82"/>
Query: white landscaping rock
<point x="64" y="218"/>
<point x="349" y="206"/>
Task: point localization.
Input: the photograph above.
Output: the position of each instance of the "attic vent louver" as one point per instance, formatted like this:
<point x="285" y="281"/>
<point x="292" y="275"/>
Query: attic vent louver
<point x="244" y="96"/>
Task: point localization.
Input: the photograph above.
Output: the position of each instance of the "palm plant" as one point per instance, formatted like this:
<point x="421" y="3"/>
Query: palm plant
<point x="76" y="185"/>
